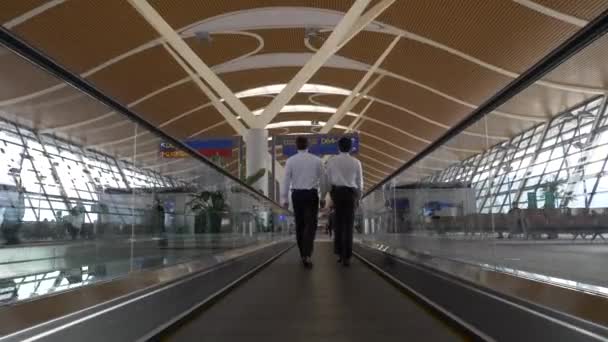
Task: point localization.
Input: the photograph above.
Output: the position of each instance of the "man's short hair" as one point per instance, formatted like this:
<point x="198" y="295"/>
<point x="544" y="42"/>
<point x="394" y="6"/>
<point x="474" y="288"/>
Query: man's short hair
<point x="345" y="144"/>
<point x="301" y="143"/>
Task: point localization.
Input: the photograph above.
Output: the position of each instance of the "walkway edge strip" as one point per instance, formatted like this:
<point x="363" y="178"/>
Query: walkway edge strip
<point x="214" y="297"/>
<point x="431" y="304"/>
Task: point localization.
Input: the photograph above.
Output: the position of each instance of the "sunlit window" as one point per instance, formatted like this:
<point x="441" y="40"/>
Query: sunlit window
<point x="566" y="152"/>
<point x="307" y="88"/>
<point x="301" y="123"/>
<point x="80" y="175"/>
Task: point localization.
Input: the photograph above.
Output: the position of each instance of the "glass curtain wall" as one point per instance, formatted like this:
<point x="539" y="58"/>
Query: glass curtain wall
<point x="527" y="195"/>
<point x="85" y="194"/>
<point x="570" y="152"/>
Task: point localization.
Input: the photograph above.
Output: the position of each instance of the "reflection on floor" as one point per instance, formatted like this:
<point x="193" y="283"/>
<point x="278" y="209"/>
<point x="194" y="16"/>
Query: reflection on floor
<point x="33" y="270"/>
<point x="582" y="262"/>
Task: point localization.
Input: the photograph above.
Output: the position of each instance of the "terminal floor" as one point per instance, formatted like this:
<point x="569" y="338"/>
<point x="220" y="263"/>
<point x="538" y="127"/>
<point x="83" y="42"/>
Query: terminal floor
<point x="582" y="262"/>
<point x="286" y="302"/>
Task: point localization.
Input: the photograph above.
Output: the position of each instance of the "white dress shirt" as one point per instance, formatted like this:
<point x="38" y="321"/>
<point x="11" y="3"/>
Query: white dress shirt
<point x="344" y="170"/>
<point x="303" y="171"/>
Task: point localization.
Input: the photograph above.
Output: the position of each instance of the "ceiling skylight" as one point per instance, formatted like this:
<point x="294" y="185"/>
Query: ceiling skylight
<point x="305" y="108"/>
<point x="307" y="88"/>
<point x="300" y="123"/>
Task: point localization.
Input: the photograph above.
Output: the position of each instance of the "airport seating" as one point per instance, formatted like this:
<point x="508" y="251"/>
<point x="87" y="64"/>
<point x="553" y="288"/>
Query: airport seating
<point x="552" y="222"/>
<point x="529" y="223"/>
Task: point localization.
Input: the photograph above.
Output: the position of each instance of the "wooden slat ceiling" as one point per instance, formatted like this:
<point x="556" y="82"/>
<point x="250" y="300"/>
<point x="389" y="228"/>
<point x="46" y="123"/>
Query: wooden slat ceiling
<point x="580" y="9"/>
<point x="453" y="56"/>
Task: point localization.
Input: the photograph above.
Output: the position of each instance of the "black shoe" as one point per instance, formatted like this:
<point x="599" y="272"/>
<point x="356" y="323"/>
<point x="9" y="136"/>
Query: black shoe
<point x="339" y="260"/>
<point x="308" y="262"/>
<point x="346" y="263"/>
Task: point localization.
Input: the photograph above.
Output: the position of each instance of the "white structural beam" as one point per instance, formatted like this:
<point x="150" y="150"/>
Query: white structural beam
<point x="365" y="20"/>
<point x="217" y="103"/>
<point x="32" y="13"/>
<point x="552" y="13"/>
<point x="359" y="119"/>
<point x="78" y="124"/>
<point x="346" y="107"/>
<point x="185" y="52"/>
<point x="348" y="103"/>
<point x="328" y="49"/>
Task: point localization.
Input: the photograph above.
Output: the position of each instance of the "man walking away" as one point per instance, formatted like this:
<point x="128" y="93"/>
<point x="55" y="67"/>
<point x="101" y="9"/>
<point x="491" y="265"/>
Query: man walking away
<point x="345" y="177"/>
<point x="303" y="173"/>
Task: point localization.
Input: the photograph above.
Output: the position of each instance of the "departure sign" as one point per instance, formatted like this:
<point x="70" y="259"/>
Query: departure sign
<point x="319" y="144"/>
<point x="206" y="147"/>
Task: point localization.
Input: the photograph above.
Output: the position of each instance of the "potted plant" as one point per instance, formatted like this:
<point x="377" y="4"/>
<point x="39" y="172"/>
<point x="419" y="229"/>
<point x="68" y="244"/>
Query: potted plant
<point x="553" y="193"/>
<point x="208" y="206"/>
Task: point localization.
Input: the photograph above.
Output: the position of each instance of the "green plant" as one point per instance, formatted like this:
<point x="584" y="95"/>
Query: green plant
<point x="254" y="177"/>
<point x="554" y="191"/>
<point x="251" y="180"/>
<point x="208" y="207"/>
<point x="208" y="200"/>
<point x="217" y="160"/>
<point x="77" y="210"/>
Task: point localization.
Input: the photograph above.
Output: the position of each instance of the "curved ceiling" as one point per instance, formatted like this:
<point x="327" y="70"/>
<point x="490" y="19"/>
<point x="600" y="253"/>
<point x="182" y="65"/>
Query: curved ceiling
<point x="450" y="57"/>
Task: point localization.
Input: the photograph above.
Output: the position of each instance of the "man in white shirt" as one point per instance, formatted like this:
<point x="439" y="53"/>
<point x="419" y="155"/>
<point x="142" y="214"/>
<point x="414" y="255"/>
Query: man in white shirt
<point x="303" y="173"/>
<point x="345" y="177"/>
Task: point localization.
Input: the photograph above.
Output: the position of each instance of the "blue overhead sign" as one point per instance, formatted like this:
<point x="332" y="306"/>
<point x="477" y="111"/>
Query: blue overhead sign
<point x="318" y="144"/>
<point x="207" y="147"/>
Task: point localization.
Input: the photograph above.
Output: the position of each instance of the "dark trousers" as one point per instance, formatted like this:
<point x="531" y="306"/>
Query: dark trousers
<point x="344" y="199"/>
<point x="306" y="209"/>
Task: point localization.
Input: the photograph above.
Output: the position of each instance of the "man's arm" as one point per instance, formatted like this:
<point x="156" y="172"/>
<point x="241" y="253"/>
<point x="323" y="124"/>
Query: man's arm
<point x="286" y="184"/>
<point x="322" y="181"/>
<point x="326" y="178"/>
<point x="359" y="179"/>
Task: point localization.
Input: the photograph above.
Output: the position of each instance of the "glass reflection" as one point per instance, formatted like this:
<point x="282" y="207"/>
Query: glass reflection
<point x="95" y="200"/>
<point x="531" y="205"/>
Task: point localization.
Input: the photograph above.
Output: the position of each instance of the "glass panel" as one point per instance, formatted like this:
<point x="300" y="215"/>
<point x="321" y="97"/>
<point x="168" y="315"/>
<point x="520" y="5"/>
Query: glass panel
<point x="600" y="200"/>
<point x="537" y="199"/>
<point x="95" y="189"/>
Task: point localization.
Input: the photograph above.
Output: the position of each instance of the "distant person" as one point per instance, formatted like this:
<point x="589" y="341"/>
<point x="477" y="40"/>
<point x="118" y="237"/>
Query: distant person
<point x="158" y="221"/>
<point x="13" y="217"/>
<point x="303" y="173"/>
<point x="519" y="227"/>
<point x="345" y="179"/>
<point x="157" y="217"/>
<point x="77" y="220"/>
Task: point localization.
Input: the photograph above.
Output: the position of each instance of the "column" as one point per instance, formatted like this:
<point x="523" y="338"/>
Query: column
<point x="256" y="142"/>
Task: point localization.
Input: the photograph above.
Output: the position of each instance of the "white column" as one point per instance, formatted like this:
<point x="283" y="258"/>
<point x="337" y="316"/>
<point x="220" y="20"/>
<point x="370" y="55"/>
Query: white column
<point x="256" y="142"/>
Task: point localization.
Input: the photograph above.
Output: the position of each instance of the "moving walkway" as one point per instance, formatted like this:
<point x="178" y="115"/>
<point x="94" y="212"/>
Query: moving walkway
<point x="264" y="293"/>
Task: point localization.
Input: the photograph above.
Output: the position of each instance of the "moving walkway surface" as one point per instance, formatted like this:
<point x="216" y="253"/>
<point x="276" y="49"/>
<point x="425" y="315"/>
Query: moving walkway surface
<point x="286" y="302"/>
